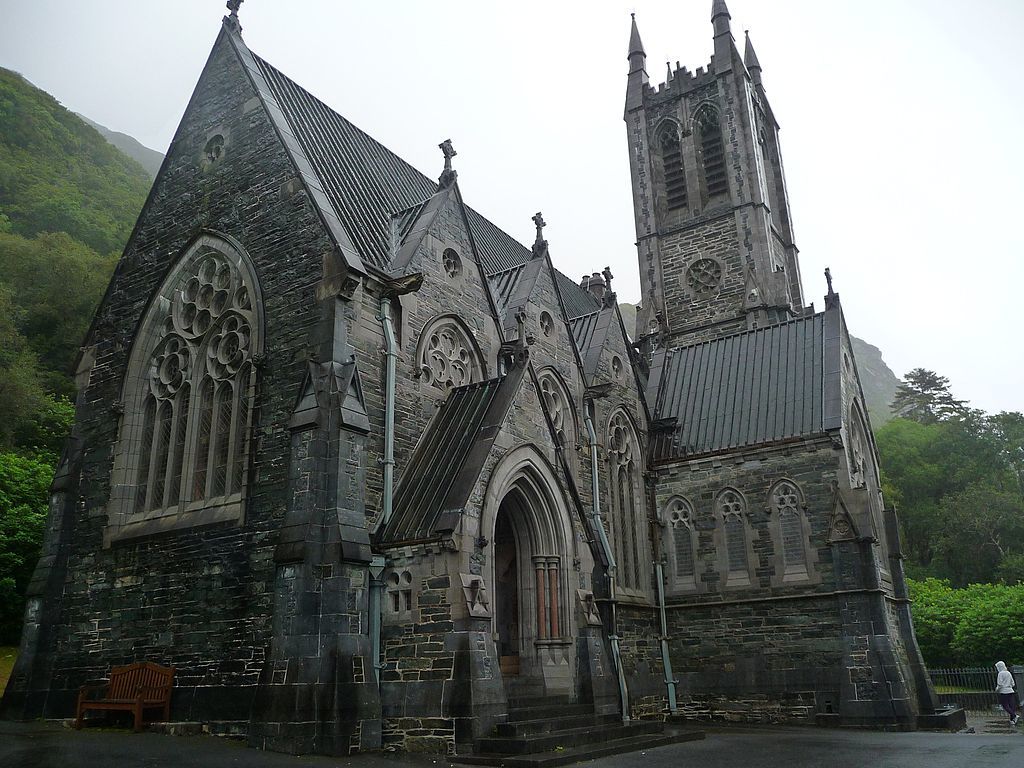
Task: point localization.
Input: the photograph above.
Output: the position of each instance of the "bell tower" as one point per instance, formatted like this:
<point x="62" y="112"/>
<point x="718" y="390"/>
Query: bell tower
<point x="714" y="235"/>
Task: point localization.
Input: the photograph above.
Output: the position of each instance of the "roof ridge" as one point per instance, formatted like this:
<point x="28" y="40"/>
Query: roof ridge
<point x="384" y="181"/>
<point x="735" y="334"/>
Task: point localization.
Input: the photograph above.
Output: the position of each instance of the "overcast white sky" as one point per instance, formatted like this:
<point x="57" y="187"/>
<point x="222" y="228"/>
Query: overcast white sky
<point x="901" y="129"/>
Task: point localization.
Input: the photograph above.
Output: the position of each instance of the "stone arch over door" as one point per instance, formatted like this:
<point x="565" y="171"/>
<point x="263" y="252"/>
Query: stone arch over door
<point x="527" y="519"/>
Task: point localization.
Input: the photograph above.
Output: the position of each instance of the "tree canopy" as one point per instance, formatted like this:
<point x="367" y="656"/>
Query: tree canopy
<point x="957" y="478"/>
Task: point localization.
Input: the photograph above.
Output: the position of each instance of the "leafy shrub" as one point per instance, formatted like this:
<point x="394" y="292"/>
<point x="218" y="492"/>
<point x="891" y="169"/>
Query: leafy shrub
<point x="24" y="485"/>
<point x="974" y="626"/>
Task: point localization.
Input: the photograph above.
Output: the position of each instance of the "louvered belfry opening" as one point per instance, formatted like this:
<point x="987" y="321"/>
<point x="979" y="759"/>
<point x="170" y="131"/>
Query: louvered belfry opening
<point x="672" y="163"/>
<point x="712" y="153"/>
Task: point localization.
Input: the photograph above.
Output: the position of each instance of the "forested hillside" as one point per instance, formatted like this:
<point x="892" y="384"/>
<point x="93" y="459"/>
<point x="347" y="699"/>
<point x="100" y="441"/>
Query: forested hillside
<point x="68" y="201"/>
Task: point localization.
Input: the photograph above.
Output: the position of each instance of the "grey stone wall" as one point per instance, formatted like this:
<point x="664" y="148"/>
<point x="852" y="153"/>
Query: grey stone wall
<point x="199" y="600"/>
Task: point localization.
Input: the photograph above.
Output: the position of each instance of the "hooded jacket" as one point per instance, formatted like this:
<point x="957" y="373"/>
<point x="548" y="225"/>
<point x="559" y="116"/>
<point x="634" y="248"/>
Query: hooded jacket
<point x="1004" y="680"/>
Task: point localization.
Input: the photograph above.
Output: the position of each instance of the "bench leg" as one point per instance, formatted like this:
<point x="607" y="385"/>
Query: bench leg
<point x="138" y="717"/>
<point x="78" y="718"/>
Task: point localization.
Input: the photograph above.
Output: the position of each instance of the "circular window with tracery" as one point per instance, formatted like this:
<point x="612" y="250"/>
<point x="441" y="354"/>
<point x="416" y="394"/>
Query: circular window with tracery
<point x="556" y="404"/>
<point x="452" y="263"/>
<point x="704" y="276"/>
<point x="447" y="357"/>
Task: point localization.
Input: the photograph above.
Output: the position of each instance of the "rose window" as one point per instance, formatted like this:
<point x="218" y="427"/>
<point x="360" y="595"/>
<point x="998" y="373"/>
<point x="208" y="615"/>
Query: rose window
<point x="448" y="358"/>
<point x="556" y="405"/>
<point x="704" y="276"/>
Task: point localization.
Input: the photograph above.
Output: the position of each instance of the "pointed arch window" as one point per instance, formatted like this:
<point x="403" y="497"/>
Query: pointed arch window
<point x="627" y="525"/>
<point x="672" y="167"/>
<point x="712" y="153"/>
<point x="733" y="539"/>
<point x="188" y="394"/>
<point x="794" y="557"/>
<point x="682" y="545"/>
<point x="447" y="355"/>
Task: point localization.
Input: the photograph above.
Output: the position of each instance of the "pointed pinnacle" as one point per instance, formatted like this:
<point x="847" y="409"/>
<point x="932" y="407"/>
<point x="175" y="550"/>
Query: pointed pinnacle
<point x="718" y="8"/>
<point x="749" y="56"/>
<point x="635" y="46"/>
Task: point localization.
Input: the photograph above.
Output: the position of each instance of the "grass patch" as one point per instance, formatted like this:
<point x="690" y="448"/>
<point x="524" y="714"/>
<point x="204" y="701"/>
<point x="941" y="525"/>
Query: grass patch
<point x="8" y="653"/>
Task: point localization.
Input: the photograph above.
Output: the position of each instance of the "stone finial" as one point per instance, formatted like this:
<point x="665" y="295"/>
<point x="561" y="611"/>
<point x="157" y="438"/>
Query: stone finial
<point x="447" y="175"/>
<point x="828" y="279"/>
<point x="539" y="244"/>
<point x="231" y="19"/>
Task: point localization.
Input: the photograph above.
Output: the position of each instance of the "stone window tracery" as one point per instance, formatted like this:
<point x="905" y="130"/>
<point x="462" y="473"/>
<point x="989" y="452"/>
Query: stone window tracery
<point x="626" y="522"/>
<point x="790" y="528"/>
<point x="735" y="556"/>
<point x="447" y="355"/>
<point x="188" y="393"/>
<point x="557" y="404"/>
<point x="679" y="521"/>
<point x="547" y="324"/>
<point x="452" y="263"/>
<point x="704" y="276"/>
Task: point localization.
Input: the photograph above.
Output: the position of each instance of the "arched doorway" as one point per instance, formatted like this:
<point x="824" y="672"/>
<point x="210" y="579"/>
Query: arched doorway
<point x="533" y="577"/>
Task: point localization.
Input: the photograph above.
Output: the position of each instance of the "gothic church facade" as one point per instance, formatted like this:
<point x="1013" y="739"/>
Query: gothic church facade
<point x="368" y="472"/>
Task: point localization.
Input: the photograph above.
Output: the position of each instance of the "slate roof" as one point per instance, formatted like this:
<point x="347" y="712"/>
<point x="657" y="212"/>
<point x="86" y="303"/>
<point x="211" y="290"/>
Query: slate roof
<point x="750" y="388"/>
<point x="577" y="301"/>
<point x="448" y="458"/>
<point x="367" y="184"/>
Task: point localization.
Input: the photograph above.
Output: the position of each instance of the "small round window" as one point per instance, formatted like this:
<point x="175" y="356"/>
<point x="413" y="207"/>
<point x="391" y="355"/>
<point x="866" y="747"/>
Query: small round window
<point x="452" y="263"/>
<point x="547" y="324"/>
<point x="214" y="149"/>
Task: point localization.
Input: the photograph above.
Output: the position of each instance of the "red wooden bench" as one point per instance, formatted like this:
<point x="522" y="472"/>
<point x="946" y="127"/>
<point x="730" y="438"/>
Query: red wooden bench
<point x="132" y="688"/>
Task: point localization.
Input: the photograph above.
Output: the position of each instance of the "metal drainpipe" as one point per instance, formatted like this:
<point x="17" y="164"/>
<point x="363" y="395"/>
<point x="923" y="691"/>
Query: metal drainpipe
<point x="610" y="557"/>
<point x="666" y="662"/>
<point x="388" y="462"/>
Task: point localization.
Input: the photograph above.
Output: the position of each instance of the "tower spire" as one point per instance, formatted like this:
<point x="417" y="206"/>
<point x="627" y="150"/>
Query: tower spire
<point x="750" y="59"/>
<point x="637" y="55"/>
<point x="637" y="72"/>
<point x="719" y="10"/>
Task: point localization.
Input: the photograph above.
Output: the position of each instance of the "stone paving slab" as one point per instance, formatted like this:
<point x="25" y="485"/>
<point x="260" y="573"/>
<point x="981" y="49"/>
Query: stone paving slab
<point x="46" y="745"/>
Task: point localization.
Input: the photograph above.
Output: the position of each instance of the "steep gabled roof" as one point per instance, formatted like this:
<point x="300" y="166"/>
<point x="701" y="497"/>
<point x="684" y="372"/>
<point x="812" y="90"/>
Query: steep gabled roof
<point x="749" y="388"/>
<point x="367" y="184"/>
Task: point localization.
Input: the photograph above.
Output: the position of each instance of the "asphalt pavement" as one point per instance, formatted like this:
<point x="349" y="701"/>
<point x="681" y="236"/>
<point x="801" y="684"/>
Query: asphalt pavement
<point x="47" y="745"/>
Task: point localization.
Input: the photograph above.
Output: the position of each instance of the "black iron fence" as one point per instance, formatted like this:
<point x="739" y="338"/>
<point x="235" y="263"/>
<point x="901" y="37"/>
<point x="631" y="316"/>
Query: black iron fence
<point x="973" y="688"/>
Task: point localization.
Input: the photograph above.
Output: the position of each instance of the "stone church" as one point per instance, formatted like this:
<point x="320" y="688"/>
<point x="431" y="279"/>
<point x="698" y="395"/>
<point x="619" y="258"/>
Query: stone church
<point x="370" y="474"/>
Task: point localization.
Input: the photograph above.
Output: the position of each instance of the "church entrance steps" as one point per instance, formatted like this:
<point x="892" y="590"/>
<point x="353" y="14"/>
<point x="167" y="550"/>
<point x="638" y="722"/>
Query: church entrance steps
<point x="570" y="755"/>
<point x="551" y="732"/>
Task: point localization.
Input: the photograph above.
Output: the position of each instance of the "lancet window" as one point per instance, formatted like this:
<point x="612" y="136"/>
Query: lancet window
<point x="672" y="166"/>
<point x="682" y="549"/>
<point x="712" y="153"/>
<point x="626" y="522"/>
<point x="733" y="538"/>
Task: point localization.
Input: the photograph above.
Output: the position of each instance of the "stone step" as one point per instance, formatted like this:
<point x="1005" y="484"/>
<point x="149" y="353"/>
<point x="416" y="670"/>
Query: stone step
<point x="566" y="738"/>
<point x="583" y="752"/>
<point x="563" y="721"/>
<point x="540" y="709"/>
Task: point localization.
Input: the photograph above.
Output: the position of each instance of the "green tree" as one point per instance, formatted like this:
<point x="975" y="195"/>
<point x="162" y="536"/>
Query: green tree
<point x="21" y="391"/>
<point x="24" y="483"/>
<point x="924" y="396"/>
